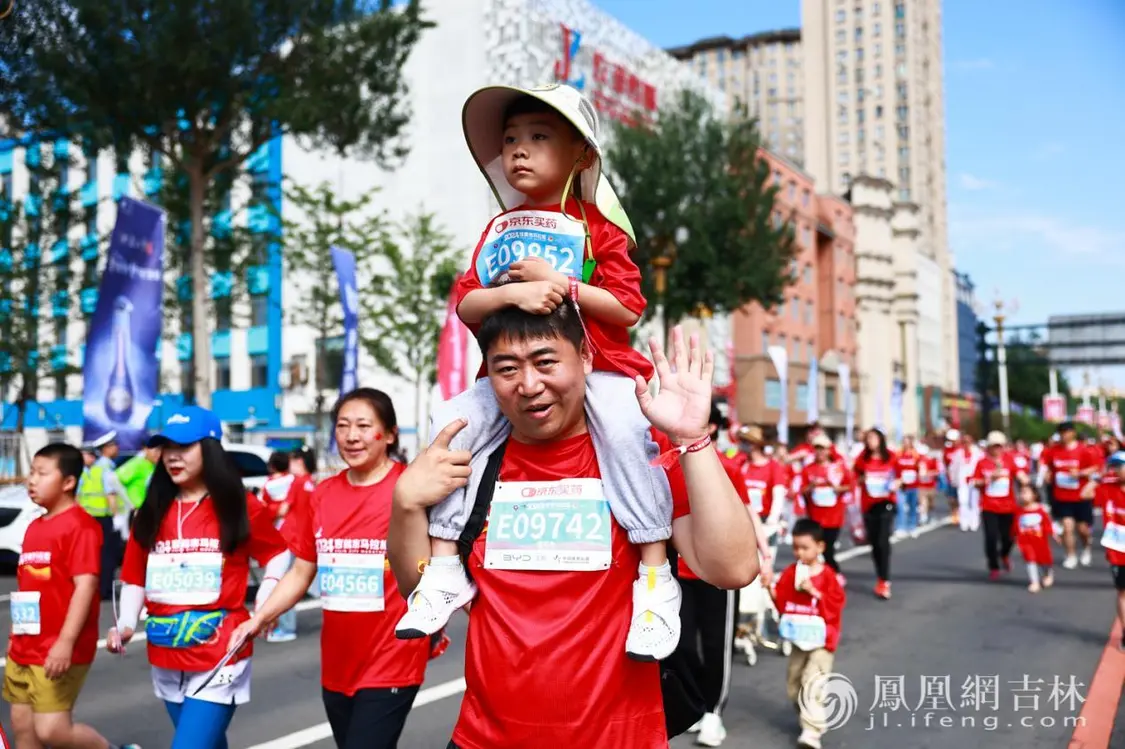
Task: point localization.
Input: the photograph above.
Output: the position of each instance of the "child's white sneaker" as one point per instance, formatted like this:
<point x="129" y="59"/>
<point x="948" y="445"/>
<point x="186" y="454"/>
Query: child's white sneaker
<point x="443" y="589"/>
<point x="654" y="631"/>
<point x="808" y="740"/>
<point x="1086" y="558"/>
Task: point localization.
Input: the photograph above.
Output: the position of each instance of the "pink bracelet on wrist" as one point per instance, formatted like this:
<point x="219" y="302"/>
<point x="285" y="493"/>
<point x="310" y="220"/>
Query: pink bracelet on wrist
<point x="668" y="459"/>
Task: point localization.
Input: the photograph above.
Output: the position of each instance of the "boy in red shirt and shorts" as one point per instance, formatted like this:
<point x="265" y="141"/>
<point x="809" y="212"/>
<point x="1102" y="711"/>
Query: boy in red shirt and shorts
<point x="562" y="234"/>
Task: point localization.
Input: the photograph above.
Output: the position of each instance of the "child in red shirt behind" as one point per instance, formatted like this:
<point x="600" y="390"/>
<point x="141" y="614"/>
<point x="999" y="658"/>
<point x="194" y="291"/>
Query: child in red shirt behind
<point x="562" y="233"/>
<point x="811" y="601"/>
<point x="1033" y="531"/>
<point x="55" y="610"/>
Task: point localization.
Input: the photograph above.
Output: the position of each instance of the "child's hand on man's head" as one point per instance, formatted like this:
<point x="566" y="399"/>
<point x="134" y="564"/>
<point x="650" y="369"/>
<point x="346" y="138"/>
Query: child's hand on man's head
<point x="537" y="269"/>
<point x="538" y="297"/>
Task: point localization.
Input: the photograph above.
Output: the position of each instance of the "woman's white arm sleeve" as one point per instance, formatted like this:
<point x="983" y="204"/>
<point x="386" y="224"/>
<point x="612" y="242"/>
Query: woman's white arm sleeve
<point x="274" y="570"/>
<point x="129" y="608"/>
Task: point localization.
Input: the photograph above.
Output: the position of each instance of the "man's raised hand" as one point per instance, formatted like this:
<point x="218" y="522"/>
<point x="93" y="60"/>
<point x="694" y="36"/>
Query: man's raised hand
<point x="436" y="472"/>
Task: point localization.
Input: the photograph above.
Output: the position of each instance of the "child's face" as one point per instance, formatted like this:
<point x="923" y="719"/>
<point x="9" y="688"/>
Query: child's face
<point x="1027" y="496"/>
<point x="807" y="549"/>
<point x="46" y="484"/>
<point x="540" y="151"/>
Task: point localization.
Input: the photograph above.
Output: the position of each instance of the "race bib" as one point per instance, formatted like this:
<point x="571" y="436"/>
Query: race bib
<point x="999" y="487"/>
<point x="878" y="487"/>
<point x="552" y="236"/>
<point x="824" y="496"/>
<point x="1066" y="481"/>
<point x="909" y="477"/>
<point x="187" y="579"/>
<point x="557" y="526"/>
<point x="805" y="631"/>
<point x="351" y="582"/>
<point x="1113" y="538"/>
<point x="23" y="607"/>
<point x="1031" y="522"/>
<point x="756" y="499"/>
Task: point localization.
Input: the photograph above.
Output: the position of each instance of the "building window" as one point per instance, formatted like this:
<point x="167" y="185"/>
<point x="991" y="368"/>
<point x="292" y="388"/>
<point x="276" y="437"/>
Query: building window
<point x="842" y="75"/>
<point x="222" y="373"/>
<point x="842" y="56"/>
<point x="904" y="174"/>
<point x="861" y="115"/>
<point x="859" y="58"/>
<point x="830" y="397"/>
<point x="859" y="34"/>
<point x="879" y="112"/>
<point x="802" y="395"/>
<point x="259" y="310"/>
<point x="841" y="36"/>
<point x="781" y="307"/>
<point x="805" y="197"/>
<point x="876" y="29"/>
<point x="809" y="314"/>
<point x="842" y="115"/>
<point x="792" y="192"/>
<point x="765" y="341"/>
<point x="773" y="394"/>
<point x="903" y="113"/>
<point x="842" y="96"/>
<point x="259" y="371"/>
<point x="900" y="10"/>
<point x="841" y="16"/>
<point x="721" y="56"/>
<point x="900" y="30"/>
<point x="224" y="313"/>
<point x="904" y="152"/>
<point x="795" y="308"/>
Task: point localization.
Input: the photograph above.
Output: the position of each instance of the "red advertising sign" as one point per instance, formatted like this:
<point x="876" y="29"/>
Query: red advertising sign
<point x="1085" y="415"/>
<point x="616" y="91"/>
<point x="1054" y="408"/>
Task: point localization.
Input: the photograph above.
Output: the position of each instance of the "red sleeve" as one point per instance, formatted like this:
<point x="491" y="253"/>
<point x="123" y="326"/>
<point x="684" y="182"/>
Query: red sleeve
<point x="469" y="280"/>
<point x="978" y="472"/>
<point x="1093" y="459"/>
<point x="83" y="556"/>
<point x="783" y="587"/>
<point x="616" y="272"/>
<point x="735" y="477"/>
<point x="136" y="563"/>
<point x="778" y="475"/>
<point x="833" y="606"/>
<point x="859" y="466"/>
<point x="680" y="504"/>
<point x="265" y="542"/>
<point x="299" y="530"/>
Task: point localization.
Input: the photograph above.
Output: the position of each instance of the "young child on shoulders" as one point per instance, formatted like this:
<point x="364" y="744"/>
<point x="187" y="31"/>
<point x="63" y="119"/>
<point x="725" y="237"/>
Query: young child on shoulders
<point x="562" y="233"/>
<point x="54" y="612"/>
<point x="1032" y="529"/>
<point x="811" y="602"/>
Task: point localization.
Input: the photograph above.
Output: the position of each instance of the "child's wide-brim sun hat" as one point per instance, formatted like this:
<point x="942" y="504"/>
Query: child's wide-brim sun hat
<point x="483" y="121"/>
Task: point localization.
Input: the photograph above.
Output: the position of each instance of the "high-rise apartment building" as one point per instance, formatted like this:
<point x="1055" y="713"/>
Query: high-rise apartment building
<point x="761" y="73"/>
<point x="874" y="106"/>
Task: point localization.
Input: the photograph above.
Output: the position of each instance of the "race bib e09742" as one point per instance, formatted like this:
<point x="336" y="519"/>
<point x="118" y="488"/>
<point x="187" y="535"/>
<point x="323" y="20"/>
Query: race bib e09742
<point x="185" y="579"/>
<point x="554" y="237"/>
<point x="351" y="582"/>
<point x="557" y="526"/>
<point x="24" y="609"/>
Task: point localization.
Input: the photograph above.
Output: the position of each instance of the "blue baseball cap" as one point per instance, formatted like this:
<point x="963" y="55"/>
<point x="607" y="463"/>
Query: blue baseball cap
<point x="187" y="426"/>
<point x="1117" y="459"/>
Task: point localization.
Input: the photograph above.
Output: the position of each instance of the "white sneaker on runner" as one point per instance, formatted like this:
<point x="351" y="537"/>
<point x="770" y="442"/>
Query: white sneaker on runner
<point x="808" y="740"/>
<point x="696" y="727"/>
<point x="655" y="629"/>
<point x="443" y="589"/>
<point x="1070" y="563"/>
<point x="1085" y="558"/>
<point x="711" y="731"/>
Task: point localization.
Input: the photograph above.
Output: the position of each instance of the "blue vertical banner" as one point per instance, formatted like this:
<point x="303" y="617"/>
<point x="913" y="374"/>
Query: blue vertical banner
<point x="349" y="299"/>
<point x="779" y="355"/>
<point x="121" y="373"/>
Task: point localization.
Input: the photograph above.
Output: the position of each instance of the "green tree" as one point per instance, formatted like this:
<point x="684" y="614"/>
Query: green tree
<point x="207" y="84"/>
<point x="37" y="279"/>
<point x="403" y="309"/>
<point x="1029" y="372"/>
<point x="324" y="220"/>
<point x="692" y="170"/>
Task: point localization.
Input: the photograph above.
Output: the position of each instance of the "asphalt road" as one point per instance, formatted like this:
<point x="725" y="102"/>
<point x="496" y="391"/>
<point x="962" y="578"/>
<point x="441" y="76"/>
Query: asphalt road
<point x="947" y="624"/>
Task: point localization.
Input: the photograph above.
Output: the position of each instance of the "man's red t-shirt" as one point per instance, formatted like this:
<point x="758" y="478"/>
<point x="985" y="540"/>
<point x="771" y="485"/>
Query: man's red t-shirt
<point x="760" y="480"/>
<point x="928" y="468"/>
<point x="358" y="649"/>
<point x="874" y="477"/>
<point x="734" y="473"/>
<point x="615" y="272"/>
<point x="193" y="528"/>
<point x="545" y="662"/>
<point x="826" y="505"/>
<point x="998" y="493"/>
<point x="789" y="600"/>
<point x="1062" y="461"/>
<point x="1115" y="524"/>
<point x="55" y="551"/>
<point x="907" y="466"/>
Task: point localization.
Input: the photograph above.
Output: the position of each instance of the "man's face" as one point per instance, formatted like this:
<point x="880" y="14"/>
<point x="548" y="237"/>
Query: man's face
<point x="541" y="386"/>
<point x="110" y="450"/>
<point x="539" y="150"/>
<point x="88" y="458"/>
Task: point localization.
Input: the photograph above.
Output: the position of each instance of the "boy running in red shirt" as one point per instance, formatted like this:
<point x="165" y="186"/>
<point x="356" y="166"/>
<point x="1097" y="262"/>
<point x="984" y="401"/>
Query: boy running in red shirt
<point x="811" y="603"/>
<point x="562" y="234"/>
<point x="1113" y="538"/>
<point x="1033" y="530"/>
<point x="55" y="611"/>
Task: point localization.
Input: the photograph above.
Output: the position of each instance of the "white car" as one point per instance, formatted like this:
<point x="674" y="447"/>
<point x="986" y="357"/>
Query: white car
<point x="17" y="510"/>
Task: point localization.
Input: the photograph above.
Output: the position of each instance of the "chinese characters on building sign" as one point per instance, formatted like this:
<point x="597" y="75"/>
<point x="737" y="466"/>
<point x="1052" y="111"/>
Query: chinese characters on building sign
<point x="616" y="91"/>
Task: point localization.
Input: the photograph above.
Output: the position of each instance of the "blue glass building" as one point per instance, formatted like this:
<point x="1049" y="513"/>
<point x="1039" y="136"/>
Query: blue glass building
<point x="966" y="332"/>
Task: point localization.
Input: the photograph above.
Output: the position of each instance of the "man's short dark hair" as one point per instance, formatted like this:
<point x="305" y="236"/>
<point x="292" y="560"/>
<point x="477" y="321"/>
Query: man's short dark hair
<point x="67" y="457"/>
<point x="516" y="325"/>
<point x="807" y="527"/>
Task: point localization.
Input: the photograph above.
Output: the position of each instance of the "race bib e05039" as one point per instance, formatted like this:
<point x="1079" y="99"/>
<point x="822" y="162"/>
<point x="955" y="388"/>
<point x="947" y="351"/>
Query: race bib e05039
<point x="186" y="579"/>
<point x="554" y="237"/>
<point x="351" y="582"/>
<point x="556" y="526"/>
<point x="24" y="609"/>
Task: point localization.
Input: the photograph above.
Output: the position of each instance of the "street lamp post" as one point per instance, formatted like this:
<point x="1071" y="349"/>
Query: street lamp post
<point x="660" y="265"/>
<point x="1002" y="361"/>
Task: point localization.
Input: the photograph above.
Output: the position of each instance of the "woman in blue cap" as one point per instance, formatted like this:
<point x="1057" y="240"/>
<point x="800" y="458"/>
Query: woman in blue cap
<point x="188" y="560"/>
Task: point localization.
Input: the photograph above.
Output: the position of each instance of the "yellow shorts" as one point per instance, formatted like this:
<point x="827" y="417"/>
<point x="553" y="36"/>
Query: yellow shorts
<point x="29" y="685"/>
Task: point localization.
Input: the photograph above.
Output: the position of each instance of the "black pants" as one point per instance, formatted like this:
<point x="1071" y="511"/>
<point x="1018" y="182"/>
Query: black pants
<point x="372" y="719"/>
<point x="707" y="617"/>
<point x="830" y="537"/>
<point x="110" y="557"/>
<point x="879" y="520"/>
<point x="997" y="537"/>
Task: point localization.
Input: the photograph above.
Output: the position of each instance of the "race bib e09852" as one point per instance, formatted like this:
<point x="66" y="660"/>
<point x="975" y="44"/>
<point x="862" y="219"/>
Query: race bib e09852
<point x="557" y="526"/>
<point x="554" y="237"/>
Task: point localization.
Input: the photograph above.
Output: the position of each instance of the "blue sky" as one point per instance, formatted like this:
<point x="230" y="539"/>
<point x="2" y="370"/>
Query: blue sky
<point x="1034" y="96"/>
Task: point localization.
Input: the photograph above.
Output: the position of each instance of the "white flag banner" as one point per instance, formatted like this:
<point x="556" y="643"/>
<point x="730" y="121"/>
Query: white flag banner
<point x="849" y="407"/>
<point x="780" y="358"/>
<point x="812" y="407"/>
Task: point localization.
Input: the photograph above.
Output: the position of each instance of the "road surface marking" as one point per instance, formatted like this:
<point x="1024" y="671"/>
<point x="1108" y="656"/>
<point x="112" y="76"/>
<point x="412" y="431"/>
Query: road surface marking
<point x="1095" y="722"/>
<point x="141" y="636"/>
<point x="856" y="551"/>
<point x="324" y="731"/>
